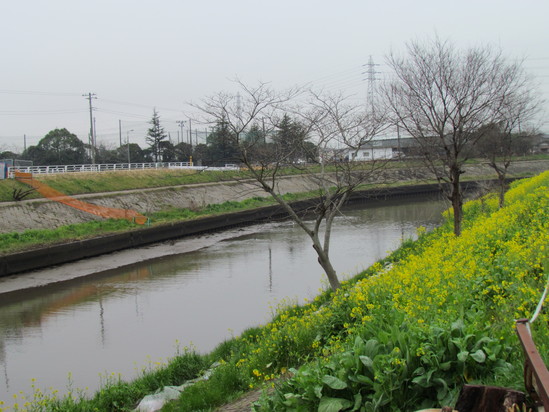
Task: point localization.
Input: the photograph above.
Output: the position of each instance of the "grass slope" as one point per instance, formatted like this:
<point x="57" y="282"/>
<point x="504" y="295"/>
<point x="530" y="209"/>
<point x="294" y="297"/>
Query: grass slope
<point x="403" y="335"/>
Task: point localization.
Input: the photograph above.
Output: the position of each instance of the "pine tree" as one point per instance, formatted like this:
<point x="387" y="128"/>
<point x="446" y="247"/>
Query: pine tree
<point x="155" y="136"/>
<point x="290" y="140"/>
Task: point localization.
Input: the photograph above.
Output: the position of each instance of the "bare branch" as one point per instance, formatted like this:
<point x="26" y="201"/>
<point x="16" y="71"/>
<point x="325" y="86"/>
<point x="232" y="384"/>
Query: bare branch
<point x="443" y="96"/>
<point x="328" y="123"/>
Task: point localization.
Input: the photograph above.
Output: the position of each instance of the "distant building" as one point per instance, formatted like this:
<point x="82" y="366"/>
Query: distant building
<point x="394" y="148"/>
<point x="17" y="162"/>
<point x="540" y="143"/>
<point x="380" y="149"/>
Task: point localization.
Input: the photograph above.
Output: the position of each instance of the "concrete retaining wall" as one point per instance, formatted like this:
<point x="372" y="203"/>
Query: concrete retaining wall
<point x="67" y="252"/>
<point x="46" y="214"/>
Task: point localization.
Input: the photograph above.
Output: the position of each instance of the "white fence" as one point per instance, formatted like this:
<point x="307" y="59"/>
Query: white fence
<point x="111" y="167"/>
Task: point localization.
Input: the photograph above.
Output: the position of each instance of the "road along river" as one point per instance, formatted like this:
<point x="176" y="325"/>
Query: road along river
<point x="117" y="317"/>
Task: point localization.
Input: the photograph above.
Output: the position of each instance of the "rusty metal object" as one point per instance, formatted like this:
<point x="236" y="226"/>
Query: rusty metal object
<point x="536" y="375"/>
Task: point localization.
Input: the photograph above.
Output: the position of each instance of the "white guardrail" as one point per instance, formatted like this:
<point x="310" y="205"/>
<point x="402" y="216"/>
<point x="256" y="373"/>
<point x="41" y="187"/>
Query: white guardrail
<point x="111" y="167"/>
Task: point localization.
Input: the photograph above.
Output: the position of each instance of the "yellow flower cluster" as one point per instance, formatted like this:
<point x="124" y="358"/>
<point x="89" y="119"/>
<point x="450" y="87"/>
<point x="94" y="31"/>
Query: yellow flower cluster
<point x="495" y="272"/>
<point x="496" y="267"/>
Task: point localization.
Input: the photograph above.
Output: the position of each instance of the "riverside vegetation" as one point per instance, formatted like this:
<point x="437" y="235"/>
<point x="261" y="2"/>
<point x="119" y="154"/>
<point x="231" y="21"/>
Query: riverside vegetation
<point x="84" y="183"/>
<point x="405" y="334"/>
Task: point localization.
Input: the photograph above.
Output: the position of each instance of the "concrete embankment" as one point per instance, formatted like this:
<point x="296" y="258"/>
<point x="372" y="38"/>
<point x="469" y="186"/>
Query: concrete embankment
<point x="72" y="251"/>
<point x="48" y="214"/>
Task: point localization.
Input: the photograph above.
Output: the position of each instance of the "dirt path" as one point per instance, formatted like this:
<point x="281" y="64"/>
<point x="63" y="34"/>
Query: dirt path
<point x="243" y="404"/>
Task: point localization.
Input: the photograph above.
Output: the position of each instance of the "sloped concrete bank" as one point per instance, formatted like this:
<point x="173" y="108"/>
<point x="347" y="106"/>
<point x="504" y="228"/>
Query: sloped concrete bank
<point x="47" y="214"/>
<point x="68" y="252"/>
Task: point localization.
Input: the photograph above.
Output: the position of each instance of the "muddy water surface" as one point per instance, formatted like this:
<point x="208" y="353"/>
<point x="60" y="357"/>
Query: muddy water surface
<point x="120" y="313"/>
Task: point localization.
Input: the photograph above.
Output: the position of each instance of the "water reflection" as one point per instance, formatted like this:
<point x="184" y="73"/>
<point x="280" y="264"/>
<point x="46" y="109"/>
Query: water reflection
<point x="111" y="321"/>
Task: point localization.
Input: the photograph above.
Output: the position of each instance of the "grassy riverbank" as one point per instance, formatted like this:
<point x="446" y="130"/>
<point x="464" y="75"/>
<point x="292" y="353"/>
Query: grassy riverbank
<point x="80" y="183"/>
<point x="86" y="183"/>
<point x="83" y="183"/>
<point x="17" y="241"/>
<point x="405" y="334"/>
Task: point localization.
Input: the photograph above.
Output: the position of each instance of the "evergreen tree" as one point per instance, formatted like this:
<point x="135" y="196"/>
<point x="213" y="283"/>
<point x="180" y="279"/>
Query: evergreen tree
<point x="222" y="145"/>
<point x="155" y="136"/>
<point x="59" y="147"/>
<point x="290" y="140"/>
<point x="183" y="152"/>
<point x="201" y="155"/>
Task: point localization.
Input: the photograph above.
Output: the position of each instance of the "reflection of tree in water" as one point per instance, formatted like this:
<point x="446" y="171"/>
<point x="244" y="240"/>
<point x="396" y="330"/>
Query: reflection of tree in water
<point x="29" y="308"/>
<point x="4" y="363"/>
<point x="272" y="252"/>
<point x="400" y="210"/>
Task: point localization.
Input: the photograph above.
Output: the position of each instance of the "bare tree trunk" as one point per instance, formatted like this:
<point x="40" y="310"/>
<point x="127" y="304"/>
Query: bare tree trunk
<point x="456" y="197"/>
<point x="447" y="100"/>
<point x="324" y="261"/>
<point x="502" y="188"/>
<point x="329" y="119"/>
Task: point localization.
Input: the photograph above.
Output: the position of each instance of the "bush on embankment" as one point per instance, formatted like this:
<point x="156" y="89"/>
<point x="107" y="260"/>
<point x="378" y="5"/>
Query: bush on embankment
<point x="405" y="334"/>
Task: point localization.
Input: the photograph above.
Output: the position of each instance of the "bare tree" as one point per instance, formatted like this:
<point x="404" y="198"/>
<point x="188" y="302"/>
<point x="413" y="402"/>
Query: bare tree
<point x="498" y="146"/>
<point x="331" y="121"/>
<point x="442" y="97"/>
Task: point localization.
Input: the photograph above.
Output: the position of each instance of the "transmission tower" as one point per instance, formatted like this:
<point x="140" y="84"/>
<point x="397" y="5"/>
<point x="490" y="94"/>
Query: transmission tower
<point x="371" y="72"/>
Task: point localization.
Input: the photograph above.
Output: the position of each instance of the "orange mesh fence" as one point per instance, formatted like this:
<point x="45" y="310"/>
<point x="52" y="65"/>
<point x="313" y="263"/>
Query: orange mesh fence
<point x="103" y="211"/>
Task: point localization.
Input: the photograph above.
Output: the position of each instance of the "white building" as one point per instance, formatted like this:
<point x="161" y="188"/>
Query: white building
<point x="378" y="149"/>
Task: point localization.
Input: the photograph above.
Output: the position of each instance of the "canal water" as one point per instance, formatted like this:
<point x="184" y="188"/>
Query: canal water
<point x="81" y="332"/>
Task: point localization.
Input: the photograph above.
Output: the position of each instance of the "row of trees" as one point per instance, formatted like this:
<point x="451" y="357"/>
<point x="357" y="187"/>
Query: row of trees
<point x="455" y="104"/>
<point x="61" y="147"/>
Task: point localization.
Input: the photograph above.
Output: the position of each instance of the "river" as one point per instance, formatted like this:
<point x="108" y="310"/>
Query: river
<point x="199" y="292"/>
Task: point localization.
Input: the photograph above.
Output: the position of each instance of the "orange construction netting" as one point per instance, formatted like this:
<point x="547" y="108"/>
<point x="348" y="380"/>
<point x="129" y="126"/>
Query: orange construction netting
<point x="103" y="211"/>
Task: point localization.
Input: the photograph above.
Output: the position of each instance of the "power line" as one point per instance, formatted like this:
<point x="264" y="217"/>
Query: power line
<point x="39" y="112"/>
<point x="116" y="112"/>
<point x="37" y="93"/>
<point x="140" y="105"/>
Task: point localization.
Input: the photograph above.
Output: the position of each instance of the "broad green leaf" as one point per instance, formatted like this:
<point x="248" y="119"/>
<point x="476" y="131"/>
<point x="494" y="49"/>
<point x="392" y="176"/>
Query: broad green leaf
<point x="333" y="404"/>
<point x="446" y="366"/>
<point x="458" y="325"/>
<point x="333" y="382"/>
<point x="425" y="379"/>
<point x="371" y="347"/>
<point x="462" y="356"/>
<point x="419" y="371"/>
<point x="479" y="356"/>
<point x="367" y="361"/>
<point x="442" y="390"/>
<point x="358" y="402"/>
<point x="318" y="391"/>
<point x="364" y="379"/>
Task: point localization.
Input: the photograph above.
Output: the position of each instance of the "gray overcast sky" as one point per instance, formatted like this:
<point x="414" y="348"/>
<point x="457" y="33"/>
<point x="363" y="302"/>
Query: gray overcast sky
<point x="139" y="54"/>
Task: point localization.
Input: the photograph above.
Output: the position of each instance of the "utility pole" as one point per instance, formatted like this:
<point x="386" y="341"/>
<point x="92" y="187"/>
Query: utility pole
<point x="120" y="131"/>
<point x="24" y="142"/>
<point x="190" y="133"/>
<point x="91" y="139"/>
<point x="181" y="123"/>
